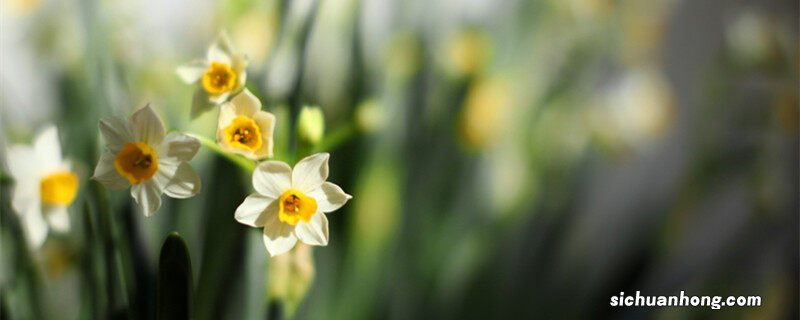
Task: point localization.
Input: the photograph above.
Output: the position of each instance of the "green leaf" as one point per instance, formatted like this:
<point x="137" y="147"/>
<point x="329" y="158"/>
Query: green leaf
<point x="174" y="288"/>
<point x="222" y="267"/>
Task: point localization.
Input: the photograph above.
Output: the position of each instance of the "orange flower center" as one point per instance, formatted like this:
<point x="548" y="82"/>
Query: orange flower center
<point x="59" y="188"/>
<point x="294" y="206"/>
<point x="219" y="78"/>
<point x="243" y="132"/>
<point x="136" y="162"/>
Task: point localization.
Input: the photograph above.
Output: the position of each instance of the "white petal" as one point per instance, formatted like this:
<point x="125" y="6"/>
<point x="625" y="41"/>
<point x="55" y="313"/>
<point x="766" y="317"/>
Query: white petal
<point x="226" y="115"/>
<point x="26" y="195"/>
<point x="239" y="66"/>
<point x="311" y="172"/>
<point x="226" y="145"/>
<point x="315" y="231"/>
<point x="245" y="103"/>
<point x="34" y="225"/>
<point x="48" y="149"/>
<point x="221" y="50"/>
<point x="107" y="174"/>
<point x="147" y="126"/>
<point x="266" y="122"/>
<point x="185" y="182"/>
<point x="148" y="196"/>
<point x="330" y="197"/>
<point x="255" y="210"/>
<point x="278" y="236"/>
<point x="23" y="164"/>
<point x="215" y="54"/>
<point x="180" y="146"/>
<point x="192" y="71"/>
<point x="220" y="98"/>
<point x="58" y="218"/>
<point x="272" y="178"/>
<point x="166" y="171"/>
<point x="116" y="133"/>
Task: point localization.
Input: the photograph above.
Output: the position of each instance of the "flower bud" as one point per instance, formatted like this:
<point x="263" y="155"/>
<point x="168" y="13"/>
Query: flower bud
<point x="370" y="116"/>
<point x="290" y="275"/>
<point x="311" y="125"/>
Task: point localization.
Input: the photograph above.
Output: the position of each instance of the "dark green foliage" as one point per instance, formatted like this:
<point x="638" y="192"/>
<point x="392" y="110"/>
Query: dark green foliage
<point x="174" y="293"/>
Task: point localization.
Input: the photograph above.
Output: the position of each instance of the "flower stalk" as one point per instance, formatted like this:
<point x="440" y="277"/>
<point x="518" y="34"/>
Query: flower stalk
<point x="243" y="163"/>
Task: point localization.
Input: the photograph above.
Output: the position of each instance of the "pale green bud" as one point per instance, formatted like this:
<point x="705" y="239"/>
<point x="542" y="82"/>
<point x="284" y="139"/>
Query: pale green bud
<point x="370" y="116"/>
<point x="311" y="125"/>
<point x="290" y="275"/>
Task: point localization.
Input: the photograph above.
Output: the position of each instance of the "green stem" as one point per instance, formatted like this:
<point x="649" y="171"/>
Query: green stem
<point x="245" y="164"/>
<point x="333" y="140"/>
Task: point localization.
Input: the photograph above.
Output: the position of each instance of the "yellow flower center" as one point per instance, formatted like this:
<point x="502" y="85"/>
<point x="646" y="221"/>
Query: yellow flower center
<point x="136" y="162"/>
<point x="294" y="206"/>
<point x="59" y="188"/>
<point x="219" y="78"/>
<point x="243" y="132"/>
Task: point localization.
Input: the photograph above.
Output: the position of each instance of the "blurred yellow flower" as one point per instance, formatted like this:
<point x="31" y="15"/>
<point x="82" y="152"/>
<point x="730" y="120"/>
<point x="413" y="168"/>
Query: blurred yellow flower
<point x="244" y="129"/>
<point x="140" y="153"/>
<point x="291" y="204"/>
<point x="45" y="186"/>
<point x="484" y="109"/>
<point x="643" y="30"/>
<point x="22" y="7"/>
<point x="221" y="75"/>
<point x="467" y="52"/>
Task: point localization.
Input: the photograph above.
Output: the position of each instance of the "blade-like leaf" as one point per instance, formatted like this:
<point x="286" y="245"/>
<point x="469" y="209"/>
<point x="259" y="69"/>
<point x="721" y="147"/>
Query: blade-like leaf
<point x="174" y="295"/>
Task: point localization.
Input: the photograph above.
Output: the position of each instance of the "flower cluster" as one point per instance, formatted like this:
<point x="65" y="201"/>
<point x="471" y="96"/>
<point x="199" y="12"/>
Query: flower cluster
<point x="289" y="204"/>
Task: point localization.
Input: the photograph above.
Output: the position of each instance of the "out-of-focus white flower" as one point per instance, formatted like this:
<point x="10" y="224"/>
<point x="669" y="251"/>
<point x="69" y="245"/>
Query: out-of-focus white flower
<point x="45" y="186"/>
<point x="291" y="204"/>
<point x="244" y="129"/>
<point x="256" y="32"/>
<point x="141" y="154"/>
<point x="753" y="37"/>
<point x="640" y="107"/>
<point x="221" y="75"/>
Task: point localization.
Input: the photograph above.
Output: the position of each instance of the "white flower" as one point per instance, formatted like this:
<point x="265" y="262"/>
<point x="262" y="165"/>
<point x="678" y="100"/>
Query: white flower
<point x="291" y="204"/>
<point x="221" y="75"/>
<point x="244" y="129"/>
<point x="44" y="186"/>
<point x="141" y="154"/>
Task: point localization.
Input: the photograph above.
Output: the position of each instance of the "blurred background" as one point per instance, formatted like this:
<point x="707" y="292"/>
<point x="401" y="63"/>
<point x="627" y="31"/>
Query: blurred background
<point x="508" y="159"/>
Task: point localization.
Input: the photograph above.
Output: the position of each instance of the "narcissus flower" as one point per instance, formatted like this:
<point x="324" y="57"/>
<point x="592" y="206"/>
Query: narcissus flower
<point x="45" y="186"/>
<point x="220" y="75"/>
<point x="244" y="129"/>
<point x="141" y="154"/>
<point x="291" y="204"/>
